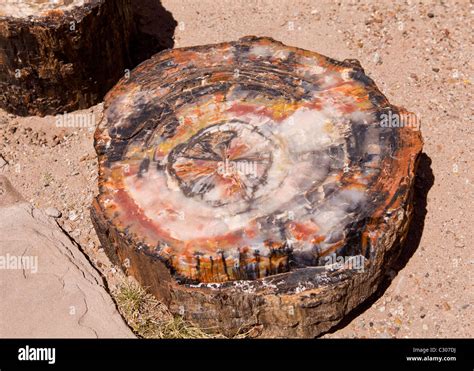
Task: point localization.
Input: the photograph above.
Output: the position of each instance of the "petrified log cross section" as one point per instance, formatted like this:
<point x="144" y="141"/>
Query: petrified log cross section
<point x="251" y="162"/>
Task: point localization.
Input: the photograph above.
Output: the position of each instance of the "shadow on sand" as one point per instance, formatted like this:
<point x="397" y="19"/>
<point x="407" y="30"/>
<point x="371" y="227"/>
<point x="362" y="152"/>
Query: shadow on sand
<point x="155" y="28"/>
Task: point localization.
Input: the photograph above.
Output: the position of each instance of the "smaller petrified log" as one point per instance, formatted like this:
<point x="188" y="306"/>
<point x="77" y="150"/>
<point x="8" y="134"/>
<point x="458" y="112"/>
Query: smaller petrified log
<point x="61" y="56"/>
<point x="254" y="184"/>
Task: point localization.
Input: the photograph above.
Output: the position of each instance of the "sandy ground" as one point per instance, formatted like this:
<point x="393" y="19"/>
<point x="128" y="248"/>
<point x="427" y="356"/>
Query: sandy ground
<point x="420" y="54"/>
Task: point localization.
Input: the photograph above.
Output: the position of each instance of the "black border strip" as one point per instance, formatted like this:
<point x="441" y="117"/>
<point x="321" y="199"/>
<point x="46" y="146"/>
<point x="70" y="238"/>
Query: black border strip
<point x="152" y="354"/>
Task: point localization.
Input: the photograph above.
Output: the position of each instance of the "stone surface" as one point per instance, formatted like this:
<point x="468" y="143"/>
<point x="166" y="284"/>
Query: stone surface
<point x="48" y="287"/>
<point x="232" y="176"/>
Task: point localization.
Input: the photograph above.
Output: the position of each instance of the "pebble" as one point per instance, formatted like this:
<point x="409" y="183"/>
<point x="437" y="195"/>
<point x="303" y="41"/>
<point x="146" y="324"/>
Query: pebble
<point x="53" y="212"/>
<point x="377" y="58"/>
<point x="56" y="141"/>
<point x="73" y="216"/>
<point x="414" y="76"/>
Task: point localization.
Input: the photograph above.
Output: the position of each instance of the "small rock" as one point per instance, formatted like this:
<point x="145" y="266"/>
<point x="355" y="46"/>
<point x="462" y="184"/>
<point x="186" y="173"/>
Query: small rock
<point x="414" y="76"/>
<point x="377" y="58"/>
<point x="446" y="306"/>
<point x="56" y="141"/>
<point x="430" y="15"/>
<point x="73" y="216"/>
<point x="53" y="212"/>
<point x="435" y="69"/>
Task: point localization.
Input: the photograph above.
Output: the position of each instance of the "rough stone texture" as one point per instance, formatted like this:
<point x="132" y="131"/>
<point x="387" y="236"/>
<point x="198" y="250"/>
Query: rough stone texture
<point x="63" y="57"/>
<point x="333" y="177"/>
<point x="59" y="294"/>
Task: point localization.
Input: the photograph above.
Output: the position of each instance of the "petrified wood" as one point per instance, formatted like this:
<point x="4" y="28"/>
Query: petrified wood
<point x="254" y="185"/>
<point x="62" y="55"/>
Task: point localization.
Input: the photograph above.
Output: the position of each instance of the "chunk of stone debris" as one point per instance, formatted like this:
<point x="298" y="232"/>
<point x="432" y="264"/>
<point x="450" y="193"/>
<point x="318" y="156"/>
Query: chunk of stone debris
<point x="48" y="287"/>
<point x="53" y="212"/>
